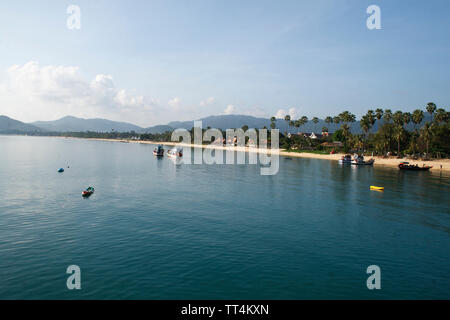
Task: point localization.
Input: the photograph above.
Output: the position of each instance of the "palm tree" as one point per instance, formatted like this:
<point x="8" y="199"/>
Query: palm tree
<point x="345" y="132"/>
<point x="379" y="113"/>
<point x="304" y="119"/>
<point x="398" y="118"/>
<point x="347" y="117"/>
<point x="398" y="128"/>
<point x="426" y="134"/>
<point x="406" y="118"/>
<point x="336" y="119"/>
<point x="431" y="107"/>
<point x="417" y="117"/>
<point x="365" y="126"/>
<point x="272" y="122"/>
<point x="287" y="118"/>
<point x="387" y="116"/>
<point x="371" y="118"/>
<point x="297" y="124"/>
<point x="441" y="116"/>
<point x="315" y="120"/>
<point x="399" y="132"/>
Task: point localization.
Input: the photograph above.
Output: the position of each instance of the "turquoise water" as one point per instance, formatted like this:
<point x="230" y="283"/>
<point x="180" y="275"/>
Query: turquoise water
<point x="155" y="230"/>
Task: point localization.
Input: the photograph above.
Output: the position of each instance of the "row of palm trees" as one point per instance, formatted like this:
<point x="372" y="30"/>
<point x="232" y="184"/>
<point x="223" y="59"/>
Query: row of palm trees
<point x="397" y="122"/>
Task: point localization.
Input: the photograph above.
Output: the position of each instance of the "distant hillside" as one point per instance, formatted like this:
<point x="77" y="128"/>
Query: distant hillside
<point x="8" y="125"/>
<point x="73" y="124"/>
<point x="238" y="121"/>
<point x="157" y="129"/>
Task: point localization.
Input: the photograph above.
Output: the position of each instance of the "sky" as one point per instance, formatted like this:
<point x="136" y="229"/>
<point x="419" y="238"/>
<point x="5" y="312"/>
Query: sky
<point x="152" y="62"/>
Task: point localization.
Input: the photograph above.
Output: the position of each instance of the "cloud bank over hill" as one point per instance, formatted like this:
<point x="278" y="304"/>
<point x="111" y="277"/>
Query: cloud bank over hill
<point x="34" y="92"/>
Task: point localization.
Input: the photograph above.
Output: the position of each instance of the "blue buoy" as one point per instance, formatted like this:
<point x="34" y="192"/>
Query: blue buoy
<point x="60" y="170"/>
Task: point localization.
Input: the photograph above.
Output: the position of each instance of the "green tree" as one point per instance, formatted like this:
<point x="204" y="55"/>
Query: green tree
<point x="336" y="120"/>
<point x="315" y="120"/>
<point x="441" y="116"/>
<point x="431" y="107"/>
<point x="426" y="134"/>
<point x="272" y="123"/>
<point x="379" y="113"/>
<point x="365" y="125"/>
<point x="287" y="118"/>
<point x="417" y="117"/>
<point x="387" y="116"/>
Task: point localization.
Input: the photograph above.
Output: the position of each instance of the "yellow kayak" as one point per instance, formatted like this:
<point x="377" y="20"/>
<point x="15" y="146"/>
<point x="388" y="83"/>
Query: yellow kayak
<point x="376" y="188"/>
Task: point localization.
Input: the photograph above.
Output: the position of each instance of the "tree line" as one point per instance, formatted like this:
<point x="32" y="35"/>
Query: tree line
<point x="429" y="139"/>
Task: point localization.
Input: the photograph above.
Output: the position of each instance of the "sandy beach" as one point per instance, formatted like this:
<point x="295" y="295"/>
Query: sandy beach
<point x="438" y="164"/>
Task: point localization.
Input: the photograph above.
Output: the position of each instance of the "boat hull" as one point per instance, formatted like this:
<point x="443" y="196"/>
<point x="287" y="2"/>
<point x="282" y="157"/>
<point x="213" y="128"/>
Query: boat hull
<point x="415" y="168"/>
<point x="364" y="163"/>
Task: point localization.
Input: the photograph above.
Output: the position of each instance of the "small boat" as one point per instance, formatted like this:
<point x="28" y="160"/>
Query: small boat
<point x="88" y="192"/>
<point x="376" y="188"/>
<point x="359" y="161"/>
<point x="158" y="151"/>
<point x="61" y="170"/>
<point x="347" y="159"/>
<point x="175" y="153"/>
<point x="413" y="167"/>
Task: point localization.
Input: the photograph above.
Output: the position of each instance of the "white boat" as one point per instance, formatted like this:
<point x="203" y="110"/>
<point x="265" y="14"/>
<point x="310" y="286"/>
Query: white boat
<point x="347" y="159"/>
<point x="159" y="151"/>
<point x="359" y="161"/>
<point x="175" y="153"/>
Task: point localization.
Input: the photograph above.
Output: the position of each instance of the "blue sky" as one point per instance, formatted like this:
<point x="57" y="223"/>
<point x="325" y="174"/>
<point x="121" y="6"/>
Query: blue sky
<point x="150" y="62"/>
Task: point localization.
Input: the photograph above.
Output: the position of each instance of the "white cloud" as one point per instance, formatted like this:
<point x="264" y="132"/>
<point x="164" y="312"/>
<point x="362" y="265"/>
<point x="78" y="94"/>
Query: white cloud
<point x="174" y="103"/>
<point x="34" y="92"/>
<point x="207" y="101"/>
<point x="229" y="109"/>
<point x="281" y="113"/>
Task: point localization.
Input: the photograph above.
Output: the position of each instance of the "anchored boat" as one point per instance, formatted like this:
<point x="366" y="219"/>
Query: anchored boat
<point x="175" y="153"/>
<point x="88" y="192"/>
<point x="347" y="159"/>
<point x="359" y="161"/>
<point x="413" y="167"/>
<point x="158" y="151"/>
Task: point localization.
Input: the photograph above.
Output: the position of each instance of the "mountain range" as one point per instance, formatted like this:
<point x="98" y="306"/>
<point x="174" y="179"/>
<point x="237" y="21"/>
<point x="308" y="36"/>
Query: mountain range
<point x="8" y="125"/>
<point x="74" y="124"/>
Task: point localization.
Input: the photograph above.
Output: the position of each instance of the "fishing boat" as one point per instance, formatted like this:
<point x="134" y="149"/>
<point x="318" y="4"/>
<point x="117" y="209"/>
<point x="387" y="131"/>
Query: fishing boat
<point x="88" y="192"/>
<point x="175" y="153"/>
<point x="376" y="188"/>
<point x="158" y="151"/>
<point x="413" y="167"/>
<point x="359" y="161"/>
<point x="347" y="159"/>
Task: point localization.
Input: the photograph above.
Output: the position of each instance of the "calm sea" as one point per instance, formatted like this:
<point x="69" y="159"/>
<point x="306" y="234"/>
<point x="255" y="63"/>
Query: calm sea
<point x="156" y="230"/>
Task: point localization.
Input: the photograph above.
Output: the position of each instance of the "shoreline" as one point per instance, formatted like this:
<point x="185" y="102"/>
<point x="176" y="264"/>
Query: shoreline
<point x="379" y="161"/>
